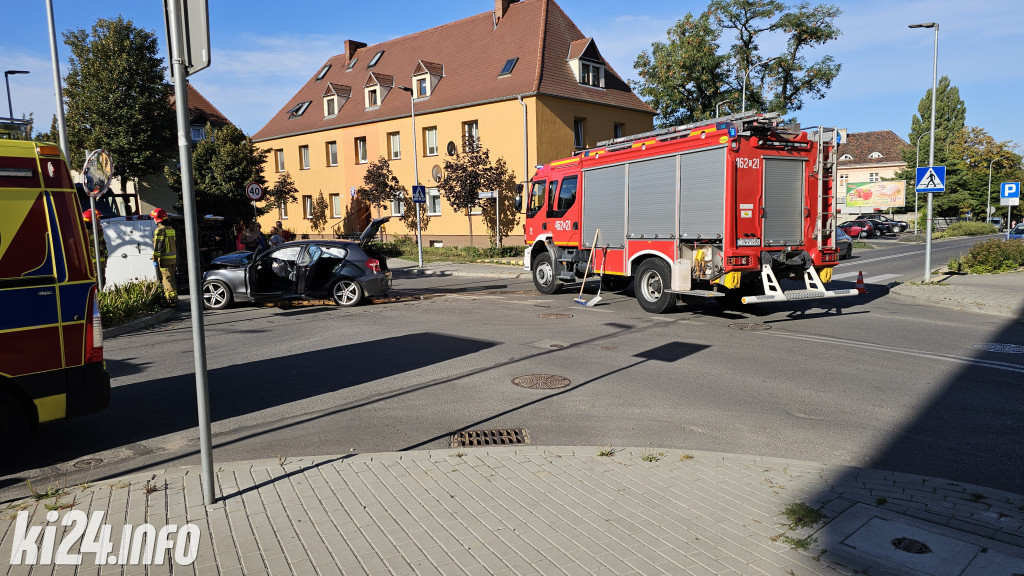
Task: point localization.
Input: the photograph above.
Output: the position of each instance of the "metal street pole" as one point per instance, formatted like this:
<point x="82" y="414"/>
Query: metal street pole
<point x="174" y="18"/>
<point x="723" y="102"/>
<point x="7" y="80"/>
<point x="62" y="129"/>
<point x="988" y="210"/>
<point x="416" y="170"/>
<point x="931" y="152"/>
<point x="743" y="104"/>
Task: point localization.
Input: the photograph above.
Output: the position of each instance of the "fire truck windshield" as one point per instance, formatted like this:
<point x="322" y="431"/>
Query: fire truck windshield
<point x="536" y="197"/>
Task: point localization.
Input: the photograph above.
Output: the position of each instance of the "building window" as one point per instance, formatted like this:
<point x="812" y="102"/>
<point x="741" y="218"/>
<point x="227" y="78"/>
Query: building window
<point x="873" y="177"/>
<point x="843" y="178"/>
<point x="845" y="157"/>
<point x="875" y="155"/>
<point x="279" y="160"/>
<point x="375" y="59"/>
<point x="578" y="139"/>
<point x="198" y="133"/>
<point x="323" y="72"/>
<point x="352" y="64"/>
<point x="471" y="131"/>
<point x="430" y="141"/>
<point x="282" y="211"/>
<point x="332" y="153"/>
<point x="397" y="206"/>
<point x="422" y="84"/>
<point x="330" y="106"/>
<point x="591" y="74"/>
<point x="307" y="207"/>
<point x="299" y="109"/>
<point x="361" y="150"/>
<point x="510" y="64"/>
<point x="304" y="157"/>
<point x="335" y="205"/>
<point x="394" y="146"/>
<point x="372" y="97"/>
<point x="433" y="202"/>
<point x="617" y="130"/>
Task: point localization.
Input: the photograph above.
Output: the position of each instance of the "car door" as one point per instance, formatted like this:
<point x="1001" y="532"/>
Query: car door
<point x="274" y="274"/>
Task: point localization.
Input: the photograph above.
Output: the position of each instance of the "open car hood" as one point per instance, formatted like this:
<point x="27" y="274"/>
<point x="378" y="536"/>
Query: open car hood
<point x="371" y="230"/>
<point x="233" y="260"/>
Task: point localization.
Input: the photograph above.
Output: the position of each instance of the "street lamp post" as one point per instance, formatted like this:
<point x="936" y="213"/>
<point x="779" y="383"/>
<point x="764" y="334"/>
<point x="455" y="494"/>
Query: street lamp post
<point x="7" y="81"/>
<point x="931" y="152"/>
<point x="988" y="210"/>
<point x="719" y="104"/>
<point x="415" y="169"/>
<point x="743" y="104"/>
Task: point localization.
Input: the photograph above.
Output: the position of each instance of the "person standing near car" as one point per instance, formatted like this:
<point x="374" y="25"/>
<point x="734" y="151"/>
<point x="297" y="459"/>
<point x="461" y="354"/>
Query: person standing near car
<point x="165" y="255"/>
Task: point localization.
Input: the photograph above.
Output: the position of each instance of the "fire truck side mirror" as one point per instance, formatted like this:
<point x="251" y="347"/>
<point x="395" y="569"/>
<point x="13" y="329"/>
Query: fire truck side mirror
<point x="519" y="198"/>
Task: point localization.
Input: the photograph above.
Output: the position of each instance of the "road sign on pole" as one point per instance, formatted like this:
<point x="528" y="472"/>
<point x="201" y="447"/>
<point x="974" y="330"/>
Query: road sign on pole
<point x="1009" y="194"/>
<point x="193" y="24"/>
<point x="419" y="194"/>
<point x="254" y="191"/>
<point x="931" y="179"/>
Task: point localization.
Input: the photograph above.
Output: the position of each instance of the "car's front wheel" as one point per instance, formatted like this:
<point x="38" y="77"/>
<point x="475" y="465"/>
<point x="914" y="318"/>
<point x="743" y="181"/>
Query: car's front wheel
<point x="544" y="274"/>
<point x="347" y="293"/>
<point x="216" y="295"/>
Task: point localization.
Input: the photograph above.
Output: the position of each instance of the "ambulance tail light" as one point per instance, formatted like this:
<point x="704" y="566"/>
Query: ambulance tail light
<point x="93" y="330"/>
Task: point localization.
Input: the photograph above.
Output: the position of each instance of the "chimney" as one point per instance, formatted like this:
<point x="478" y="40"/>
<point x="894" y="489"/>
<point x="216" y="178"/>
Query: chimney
<point x="350" y="48"/>
<point x="501" y="7"/>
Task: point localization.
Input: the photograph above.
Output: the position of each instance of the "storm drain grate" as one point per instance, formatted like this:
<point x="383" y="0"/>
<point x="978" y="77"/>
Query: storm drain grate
<point x="541" y="381"/>
<point x="502" y="437"/>
<point x="911" y="546"/>
<point x="742" y="326"/>
<point x="556" y="315"/>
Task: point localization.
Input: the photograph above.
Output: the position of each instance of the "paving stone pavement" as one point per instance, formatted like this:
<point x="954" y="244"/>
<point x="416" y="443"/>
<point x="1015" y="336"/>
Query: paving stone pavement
<point x="540" y="510"/>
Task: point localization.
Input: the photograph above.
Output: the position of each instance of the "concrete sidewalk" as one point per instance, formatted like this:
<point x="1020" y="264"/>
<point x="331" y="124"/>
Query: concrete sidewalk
<point x="552" y="510"/>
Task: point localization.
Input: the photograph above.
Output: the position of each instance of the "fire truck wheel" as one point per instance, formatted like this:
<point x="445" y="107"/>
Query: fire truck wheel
<point x="14" y="428"/>
<point x="614" y="283"/>
<point x="653" y="282"/>
<point x="544" y="274"/>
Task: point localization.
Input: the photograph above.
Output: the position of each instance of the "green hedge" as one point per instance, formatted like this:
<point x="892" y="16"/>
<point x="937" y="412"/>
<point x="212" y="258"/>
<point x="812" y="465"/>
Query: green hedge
<point x="126" y="302"/>
<point x="405" y="247"/>
<point x="966" y="229"/>
<point x="991" y="256"/>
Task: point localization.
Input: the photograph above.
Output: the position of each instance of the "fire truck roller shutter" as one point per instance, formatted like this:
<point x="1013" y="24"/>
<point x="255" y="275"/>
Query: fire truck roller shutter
<point x="604" y="206"/>
<point x="702" y="194"/>
<point x="783" y="201"/>
<point x="652" y="199"/>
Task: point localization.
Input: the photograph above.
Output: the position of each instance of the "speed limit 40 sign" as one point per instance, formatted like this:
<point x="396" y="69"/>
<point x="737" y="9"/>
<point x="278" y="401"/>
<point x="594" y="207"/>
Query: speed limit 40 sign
<point x="254" y="191"/>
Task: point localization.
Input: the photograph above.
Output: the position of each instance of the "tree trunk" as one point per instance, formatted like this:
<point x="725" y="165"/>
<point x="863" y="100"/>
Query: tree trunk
<point x="469" y="216"/>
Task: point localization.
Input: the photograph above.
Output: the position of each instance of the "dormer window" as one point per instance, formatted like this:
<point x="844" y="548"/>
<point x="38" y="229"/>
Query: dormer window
<point x="323" y="72"/>
<point x="372" y="97"/>
<point x="335" y="97"/>
<point x="299" y="109"/>
<point x="330" y="106"/>
<point x="425" y="77"/>
<point x="586" y="63"/>
<point x="510" y="64"/>
<point x="376" y="89"/>
<point x="422" y="87"/>
<point x="875" y="155"/>
<point x="592" y="74"/>
<point x="845" y="157"/>
<point x="375" y="59"/>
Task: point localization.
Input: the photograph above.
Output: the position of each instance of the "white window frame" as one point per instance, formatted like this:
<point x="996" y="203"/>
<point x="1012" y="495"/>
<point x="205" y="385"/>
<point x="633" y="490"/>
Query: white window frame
<point x="361" y="152"/>
<point x="304" y="157"/>
<point x="335" y="200"/>
<point x="372" y="97"/>
<point x="330" y="102"/>
<point x="433" y="202"/>
<point x="427" y="133"/>
<point x="282" y="211"/>
<point x="845" y="157"/>
<point x="421" y="84"/>
<point x="198" y="133"/>
<point x="397" y="207"/>
<point x="332" y="153"/>
<point x="471" y="127"/>
<point x="843" y="179"/>
<point x="279" y="159"/>
<point x="307" y="207"/>
<point x="591" y="74"/>
<point x="395" y="145"/>
<point x="875" y="155"/>
<point x="874" y="177"/>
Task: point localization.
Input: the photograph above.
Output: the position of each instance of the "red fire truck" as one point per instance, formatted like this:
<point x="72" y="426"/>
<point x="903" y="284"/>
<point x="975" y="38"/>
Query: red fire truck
<point x="724" y="207"/>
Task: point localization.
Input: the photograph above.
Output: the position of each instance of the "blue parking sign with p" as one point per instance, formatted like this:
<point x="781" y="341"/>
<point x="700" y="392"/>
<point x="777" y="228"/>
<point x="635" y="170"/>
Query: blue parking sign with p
<point x="1009" y="193"/>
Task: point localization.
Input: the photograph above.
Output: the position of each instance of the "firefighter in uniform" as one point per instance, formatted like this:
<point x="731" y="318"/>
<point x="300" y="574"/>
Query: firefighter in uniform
<point x="165" y="254"/>
<point x="88" y="215"/>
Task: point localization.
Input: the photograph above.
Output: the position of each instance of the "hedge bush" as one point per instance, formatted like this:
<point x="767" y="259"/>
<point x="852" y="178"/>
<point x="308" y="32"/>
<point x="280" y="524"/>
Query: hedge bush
<point x="126" y="302"/>
<point x="966" y="229"/>
<point x="991" y="256"/>
<point x="405" y="247"/>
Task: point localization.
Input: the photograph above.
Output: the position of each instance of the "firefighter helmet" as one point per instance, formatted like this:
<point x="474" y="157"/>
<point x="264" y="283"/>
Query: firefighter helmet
<point x="88" y="215"/>
<point x="158" y="214"/>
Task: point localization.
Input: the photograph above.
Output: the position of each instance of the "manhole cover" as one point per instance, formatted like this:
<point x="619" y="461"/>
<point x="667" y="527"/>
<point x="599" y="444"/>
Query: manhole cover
<point x="556" y="315"/>
<point x="503" y="437"/>
<point x="88" y="463"/>
<point x="910" y="546"/>
<point x="557" y="346"/>
<point x="1004" y="348"/>
<point x="541" y="381"/>
<point x="750" y="326"/>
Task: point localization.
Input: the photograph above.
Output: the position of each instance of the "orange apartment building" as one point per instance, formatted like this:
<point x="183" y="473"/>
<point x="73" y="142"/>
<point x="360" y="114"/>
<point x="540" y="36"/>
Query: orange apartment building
<point x="520" y="77"/>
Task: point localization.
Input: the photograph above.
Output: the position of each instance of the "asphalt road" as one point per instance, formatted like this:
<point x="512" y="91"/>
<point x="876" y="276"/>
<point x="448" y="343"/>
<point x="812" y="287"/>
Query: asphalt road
<point x="869" y="381"/>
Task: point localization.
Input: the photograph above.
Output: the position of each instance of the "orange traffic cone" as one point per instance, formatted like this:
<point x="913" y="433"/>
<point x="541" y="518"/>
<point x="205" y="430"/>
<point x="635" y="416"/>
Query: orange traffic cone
<point x="860" y="283"/>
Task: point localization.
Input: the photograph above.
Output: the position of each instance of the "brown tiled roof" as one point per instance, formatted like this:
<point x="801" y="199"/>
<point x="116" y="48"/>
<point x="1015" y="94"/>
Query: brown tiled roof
<point x="429" y="67"/>
<point x="861" y="145"/>
<point x="577" y="47"/>
<point x="200" y="111"/>
<point x="338" y="90"/>
<point x="472" y="52"/>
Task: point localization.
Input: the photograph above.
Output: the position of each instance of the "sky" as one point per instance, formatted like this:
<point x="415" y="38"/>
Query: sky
<point x="263" y="51"/>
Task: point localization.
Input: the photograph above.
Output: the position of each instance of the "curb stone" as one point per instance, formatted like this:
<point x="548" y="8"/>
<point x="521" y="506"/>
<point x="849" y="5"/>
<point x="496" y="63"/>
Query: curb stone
<point x="139" y="323"/>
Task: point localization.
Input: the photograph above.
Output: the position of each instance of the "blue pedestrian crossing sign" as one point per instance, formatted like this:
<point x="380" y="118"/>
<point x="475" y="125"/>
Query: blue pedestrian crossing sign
<point x="1009" y="194"/>
<point x="931" y="179"/>
<point x="419" y="194"/>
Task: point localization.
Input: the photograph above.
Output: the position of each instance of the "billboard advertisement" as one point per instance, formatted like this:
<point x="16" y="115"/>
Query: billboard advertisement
<point x="876" y="194"/>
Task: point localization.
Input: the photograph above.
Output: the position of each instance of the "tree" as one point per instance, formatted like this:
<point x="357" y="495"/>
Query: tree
<point x="505" y="184"/>
<point x="465" y="176"/>
<point x="222" y="165"/>
<point x="380" y="185"/>
<point x="318" y="216"/>
<point x="117" y="99"/>
<point x="282" y="193"/>
<point x="408" y="216"/>
<point x="684" y="78"/>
